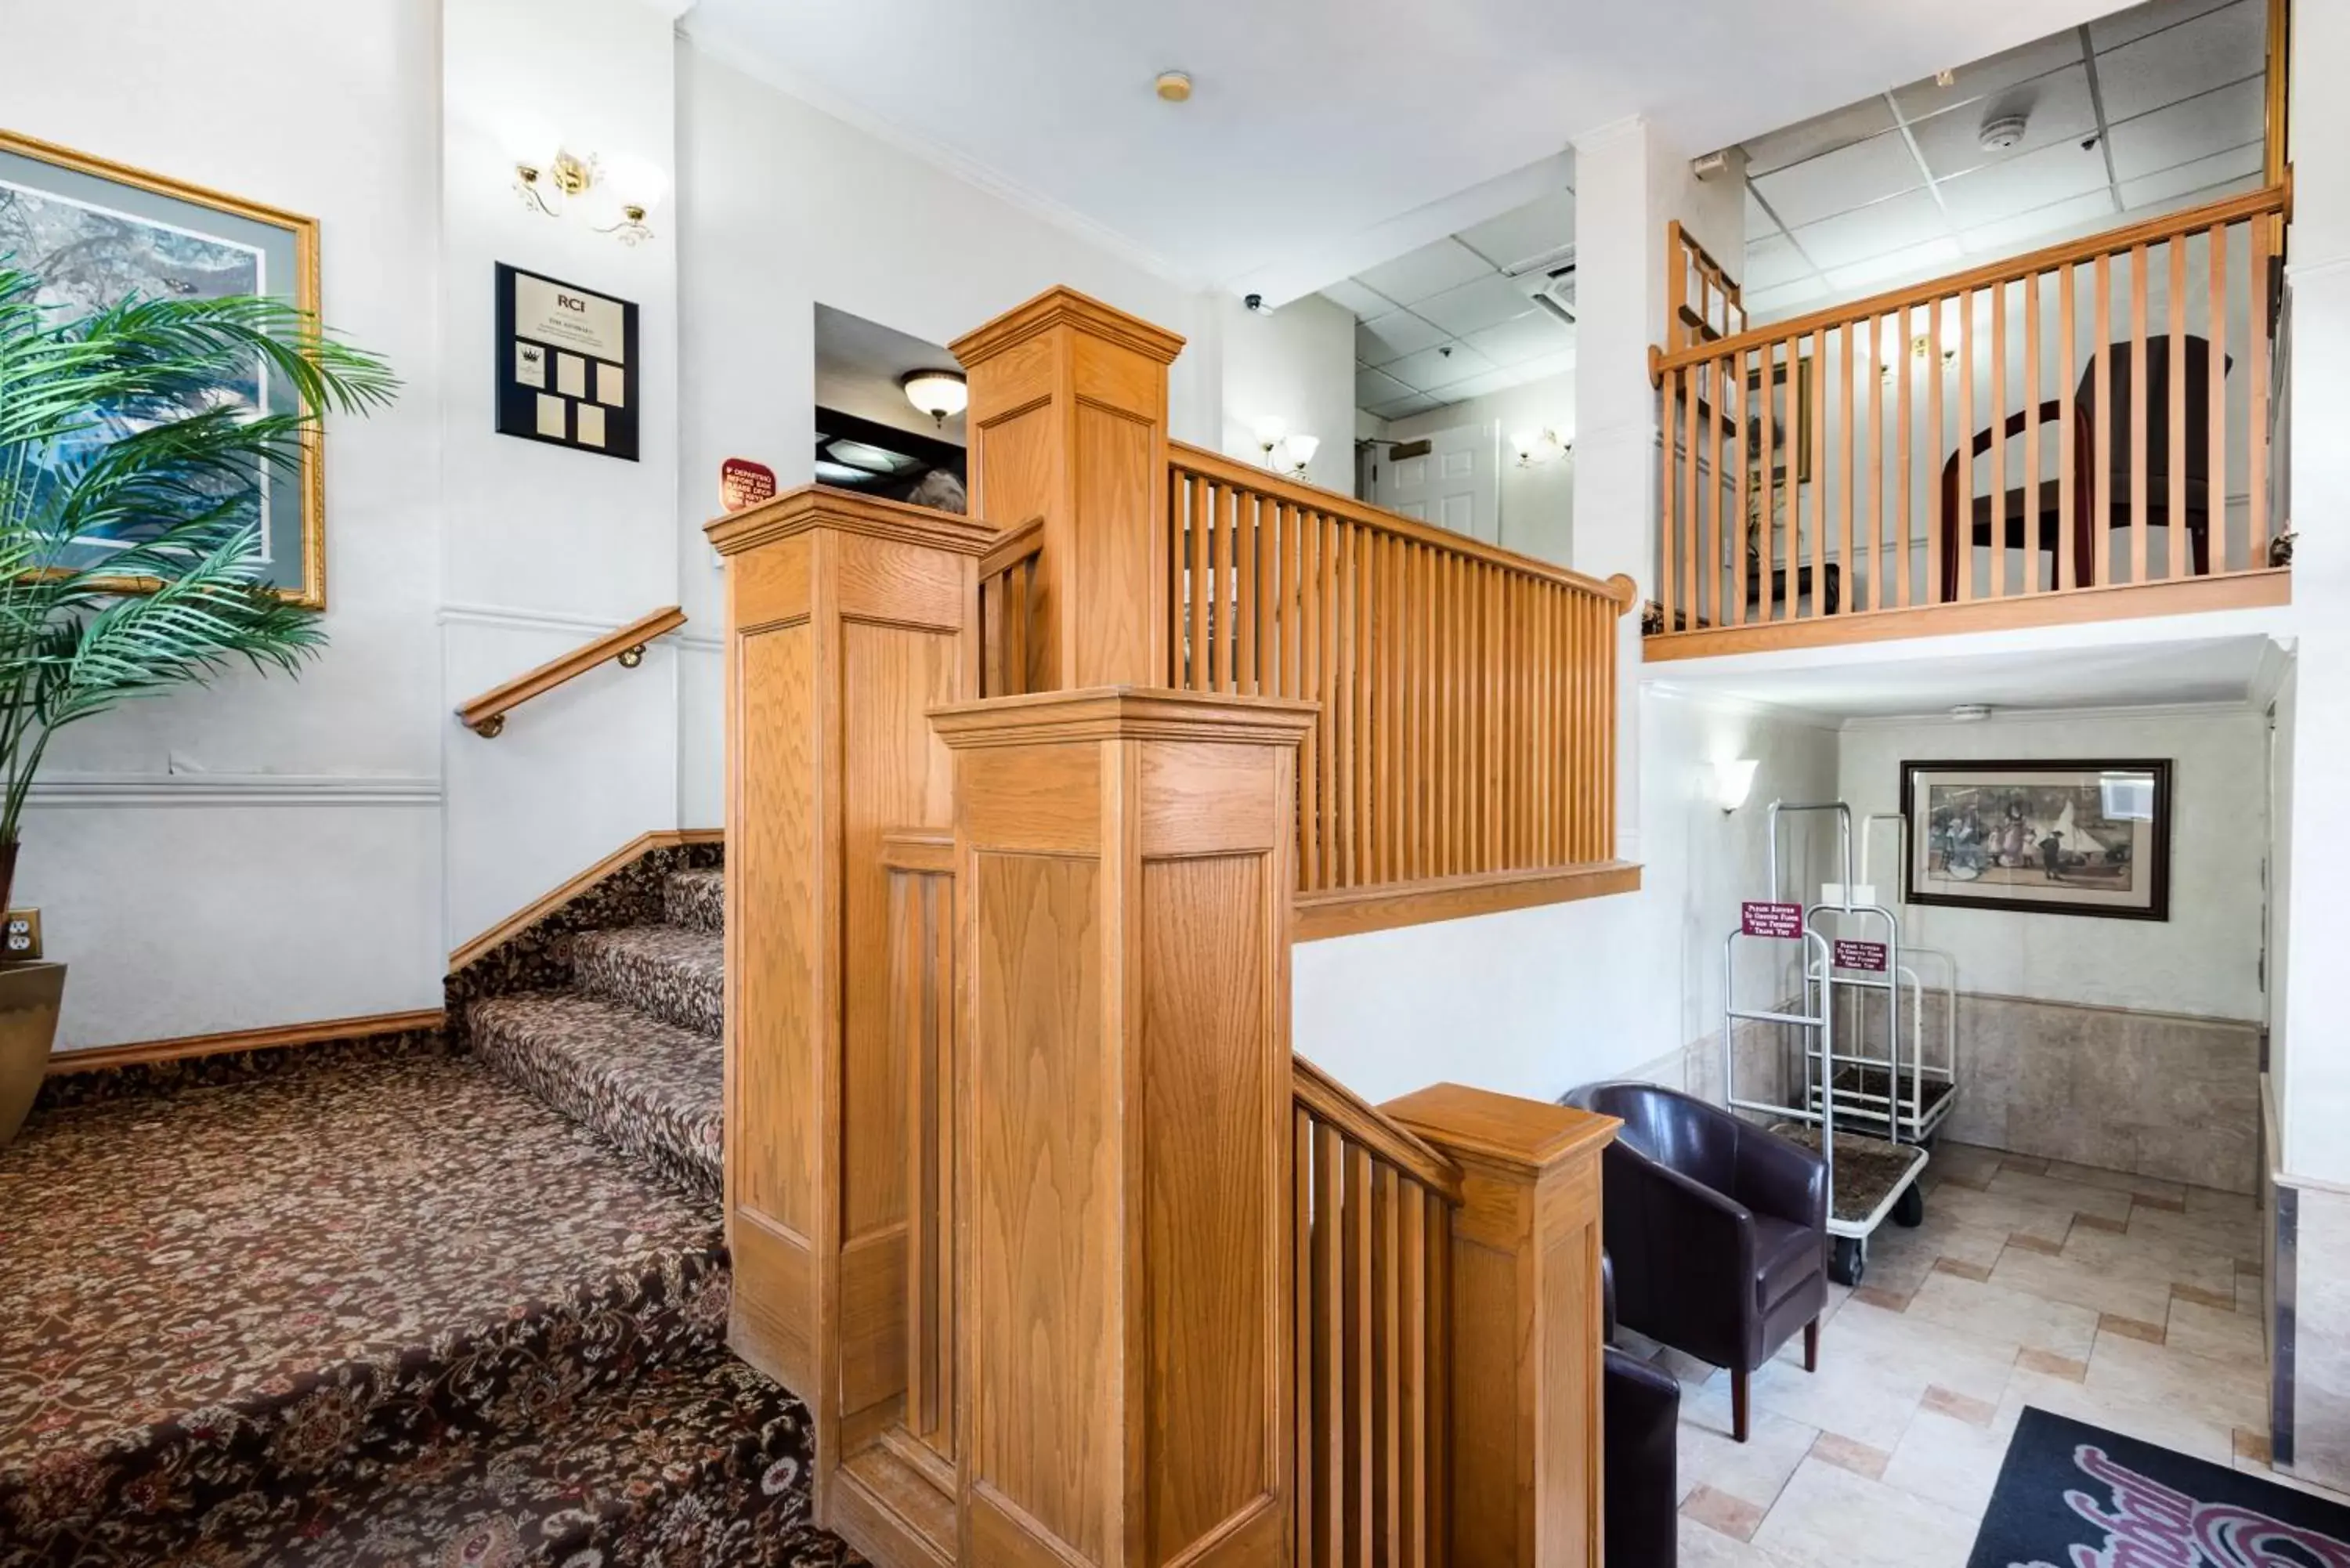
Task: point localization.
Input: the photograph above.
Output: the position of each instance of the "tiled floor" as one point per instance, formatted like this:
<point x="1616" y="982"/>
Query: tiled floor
<point x="2125" y="1302"/>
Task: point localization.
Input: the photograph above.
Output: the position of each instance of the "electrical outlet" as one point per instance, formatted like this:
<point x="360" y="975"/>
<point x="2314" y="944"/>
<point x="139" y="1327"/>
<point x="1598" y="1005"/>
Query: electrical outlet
<point x="20" y="938"/>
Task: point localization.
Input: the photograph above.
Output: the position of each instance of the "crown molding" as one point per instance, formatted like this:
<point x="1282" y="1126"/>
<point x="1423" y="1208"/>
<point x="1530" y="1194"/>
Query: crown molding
<point x="728" y="46"/>
<point x="2225" y="707"/>
<point x="1747" y="707"/>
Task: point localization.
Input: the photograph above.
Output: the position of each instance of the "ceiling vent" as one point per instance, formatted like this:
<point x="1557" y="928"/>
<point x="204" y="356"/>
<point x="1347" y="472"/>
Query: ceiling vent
<point x="1549" y="281"/>
<point x="2003" y="132"/>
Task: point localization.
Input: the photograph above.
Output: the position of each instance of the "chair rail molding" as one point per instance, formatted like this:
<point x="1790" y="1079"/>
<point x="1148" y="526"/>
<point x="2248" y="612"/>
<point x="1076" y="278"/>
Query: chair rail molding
<point x="83" y="790"/>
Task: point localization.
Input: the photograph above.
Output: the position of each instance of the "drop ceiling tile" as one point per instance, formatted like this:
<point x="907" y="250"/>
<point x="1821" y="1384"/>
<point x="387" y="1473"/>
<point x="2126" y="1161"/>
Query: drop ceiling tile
<point x="1874" y="230"/>
<point x="1491" y="381"/>
<point x="1983" y="78"/>
<point x="1821" y="133"/>
<point x="1840" y="181"/>
<point x="2215" y="48"/>
<point x="2082" y="214"/>
<point x="1559" y="364"/>
<point x="1771" y="304"/>
<point x="2219" y="169"/>
<point x="2056" y="108"/>
<point x="2197" y="128"/>
<point x="2108" y="32"/>
<point x="1365" y="302"/>
<point x="2020" y="184"/>
<point x="1405" y="407"/>
<point x="1772" y="261"/>
<point x="1440" y="367"/>
<point x="1475" y="306"/>
<point x="1536" y="229"/>
<point x="1912" y="261"/>
<point x="1373" y="387"/>
<point x="1523" y="337"/>
<point x="1431" y="269"/>
<point x="1758" y="220"/>
<point x="1385" y="339"/>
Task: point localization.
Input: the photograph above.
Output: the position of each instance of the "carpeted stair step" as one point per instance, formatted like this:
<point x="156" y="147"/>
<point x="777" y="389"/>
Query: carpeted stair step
<point x="218" y="1304"/>
<point x="695" y="899"/>
<point x="700" y="1461"/>
<point x="651" y="1087"/>
<point x="674" y="973"/>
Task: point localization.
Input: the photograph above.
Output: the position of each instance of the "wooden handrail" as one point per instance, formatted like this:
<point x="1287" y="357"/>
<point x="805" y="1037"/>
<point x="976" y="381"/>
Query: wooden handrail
<point x="486" y="715"/>
<point x="1216" y="466"/>
<point x="2275" y="199"/>
<point x="1332" y="1101"/>
<point x="1012" y="546"/>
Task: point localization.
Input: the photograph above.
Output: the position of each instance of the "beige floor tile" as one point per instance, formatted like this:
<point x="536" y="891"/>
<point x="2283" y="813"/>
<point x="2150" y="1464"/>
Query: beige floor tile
<point x="2002" y="1316"/>
<point x="2152" y="1421"/>
<point x="1732" y="1516"/>
<point x="1875" y="1367"/>
<point x="2286" y="1477"/>
<point x="1945" y="1460"/>
<point x="2054" y="1192"/>
<point x="2227" y="1397"/>
<point x="2003" y="1212"/>
<point x="1899" y="1260"/>
<point x="1832" y="1517"/>
<point x="1754" y="1469"/>
<point x="2210" y="1200"/>
<point x="2167" y="1260"/>
<point x="1968" y="1162"/>
<point x="2040" y="1361"/>
<point x="2118" y="1180"/>
<point x="1844" y="1453"/>
<point x="1701" y="1546"/>
<point x="2083" y="1283"/>
<point x="2232" y="1236"/>
<point x="2233" y="1337"/>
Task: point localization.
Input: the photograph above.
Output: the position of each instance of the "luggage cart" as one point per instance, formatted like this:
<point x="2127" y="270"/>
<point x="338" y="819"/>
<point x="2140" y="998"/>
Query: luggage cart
<point x="1868" y="1177"/>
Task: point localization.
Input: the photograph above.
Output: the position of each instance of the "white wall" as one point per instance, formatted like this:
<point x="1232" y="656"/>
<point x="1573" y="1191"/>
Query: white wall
<point x="1296" y="363"/>
<point x="2204" y="960"/>
<point x="268" y="851"/>
<point x="1534" y="1002"/>
<point x="1537" y="501"/>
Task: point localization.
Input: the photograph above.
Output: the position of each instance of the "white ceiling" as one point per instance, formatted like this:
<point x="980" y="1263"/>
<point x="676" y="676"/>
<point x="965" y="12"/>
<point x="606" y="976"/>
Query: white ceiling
<point x="2124" y="675"/>
<point x="2156" y="106"/>
<point x="1446" y="322"/>
<point x="1314" y="118"/>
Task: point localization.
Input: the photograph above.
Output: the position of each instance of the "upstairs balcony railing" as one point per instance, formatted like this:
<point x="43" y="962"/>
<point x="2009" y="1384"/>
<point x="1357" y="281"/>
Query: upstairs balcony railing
<point x="2081" y="432"/>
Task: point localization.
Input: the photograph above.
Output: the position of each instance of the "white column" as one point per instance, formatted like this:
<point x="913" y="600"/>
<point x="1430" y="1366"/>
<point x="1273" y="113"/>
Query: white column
<point x="1629" y="184"/>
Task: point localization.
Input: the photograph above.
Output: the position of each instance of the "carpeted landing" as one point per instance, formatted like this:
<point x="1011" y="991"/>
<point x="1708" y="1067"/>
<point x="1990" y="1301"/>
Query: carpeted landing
<point x="409" y="1310"/>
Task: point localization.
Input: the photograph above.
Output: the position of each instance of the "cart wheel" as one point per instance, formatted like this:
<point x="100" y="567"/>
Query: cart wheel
<point x="1847" y="1262"/>
<point x="1909" y="1208"/>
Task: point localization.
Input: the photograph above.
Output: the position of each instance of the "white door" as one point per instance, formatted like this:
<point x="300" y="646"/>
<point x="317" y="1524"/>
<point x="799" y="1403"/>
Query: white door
<point x="1452" y="478"/>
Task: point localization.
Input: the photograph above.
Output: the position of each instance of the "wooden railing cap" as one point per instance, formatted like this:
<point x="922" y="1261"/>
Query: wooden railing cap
<point x="1123" y="712"/>
<point x="485" y="715"/>
<point x="928" y="850"/>
<point x="812" y="507"/>
<point x="1063" y="305"/>
<point x="1531" y="1135"/>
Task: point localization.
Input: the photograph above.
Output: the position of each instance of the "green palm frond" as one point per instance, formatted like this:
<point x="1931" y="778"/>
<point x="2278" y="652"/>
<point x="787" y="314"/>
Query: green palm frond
<point x="119" y="460"/>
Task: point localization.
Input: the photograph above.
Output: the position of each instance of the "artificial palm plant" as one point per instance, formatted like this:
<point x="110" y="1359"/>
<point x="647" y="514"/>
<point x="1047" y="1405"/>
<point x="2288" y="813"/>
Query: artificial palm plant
<point x="129" y="503"/>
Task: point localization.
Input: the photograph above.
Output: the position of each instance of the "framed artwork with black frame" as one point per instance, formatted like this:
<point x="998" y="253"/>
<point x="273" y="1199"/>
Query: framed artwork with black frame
<point x="2039" y="837"/>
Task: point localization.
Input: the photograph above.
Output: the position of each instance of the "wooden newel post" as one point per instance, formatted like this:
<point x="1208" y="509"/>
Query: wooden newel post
<point x="1124" y="865"/>
<point x="1068" y="423"/>
<point x="848" y="619"/>
<point x="1526" y="1323"/>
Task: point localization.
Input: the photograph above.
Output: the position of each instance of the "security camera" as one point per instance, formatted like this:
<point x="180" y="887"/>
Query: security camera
<point x="1255" y="302"/>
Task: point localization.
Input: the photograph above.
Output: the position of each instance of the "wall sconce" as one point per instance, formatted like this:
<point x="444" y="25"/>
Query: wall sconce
<point x="1296" y="451"/>
<point x="1539" y="446"/>
<point x="1733" y="780"/>
<point x="550" y="178"/>
<point x="937" y="393"/>
<point x="1921" y="349"/>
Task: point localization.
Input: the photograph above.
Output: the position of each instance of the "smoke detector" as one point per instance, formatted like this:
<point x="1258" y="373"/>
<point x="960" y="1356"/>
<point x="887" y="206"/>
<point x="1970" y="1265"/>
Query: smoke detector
<point x="2001" y="131"/>
<point x="1175" y="87"/>
<point x="1969" y="712"/>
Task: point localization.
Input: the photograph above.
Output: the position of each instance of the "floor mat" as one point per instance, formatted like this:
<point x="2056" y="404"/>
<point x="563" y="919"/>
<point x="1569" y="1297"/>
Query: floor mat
<point x="2073" y="1493"/>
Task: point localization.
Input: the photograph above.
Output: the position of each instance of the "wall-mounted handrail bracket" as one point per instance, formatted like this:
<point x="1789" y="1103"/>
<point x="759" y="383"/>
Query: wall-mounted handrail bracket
<point x="486" y="715"/>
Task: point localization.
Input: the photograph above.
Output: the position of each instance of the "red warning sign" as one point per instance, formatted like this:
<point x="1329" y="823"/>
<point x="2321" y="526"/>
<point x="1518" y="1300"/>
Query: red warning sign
<point x="1762" y="917"/>
<point x="1860" y="955"/>
<point x="742" y="482"/>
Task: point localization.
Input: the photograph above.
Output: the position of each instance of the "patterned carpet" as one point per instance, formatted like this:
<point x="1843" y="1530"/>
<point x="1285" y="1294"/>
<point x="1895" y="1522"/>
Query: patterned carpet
<point x="395" y="1310"/>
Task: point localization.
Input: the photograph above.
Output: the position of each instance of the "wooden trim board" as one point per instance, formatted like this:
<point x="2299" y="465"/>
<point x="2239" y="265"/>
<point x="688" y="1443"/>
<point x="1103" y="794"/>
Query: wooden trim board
<point x="1349" y="912"/>
<point x="538" y="908"/>
<point x="141" y="1052"/>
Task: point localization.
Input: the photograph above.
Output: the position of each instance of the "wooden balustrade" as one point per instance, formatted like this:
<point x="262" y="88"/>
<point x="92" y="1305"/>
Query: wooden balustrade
<point x="1703" y="302"/>
<point x="1009" y="640"/>
<point x="1370" y="1230"/>
<point x="1467" y="693"/>
<point x="920" y="863"/>
<point x="2079" y="432"/>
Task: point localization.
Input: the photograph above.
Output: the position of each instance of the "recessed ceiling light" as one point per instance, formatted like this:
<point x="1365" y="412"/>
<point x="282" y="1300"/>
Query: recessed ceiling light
<point x="1175" y="87"/>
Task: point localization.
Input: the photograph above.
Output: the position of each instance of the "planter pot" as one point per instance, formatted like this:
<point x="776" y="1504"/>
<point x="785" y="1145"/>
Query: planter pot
<point x="29" y="995"/>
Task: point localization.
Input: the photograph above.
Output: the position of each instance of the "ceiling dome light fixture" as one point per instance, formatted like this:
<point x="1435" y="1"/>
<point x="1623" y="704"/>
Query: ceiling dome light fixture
<point x="937" y="393"/>
<point x="1175" y="87"/>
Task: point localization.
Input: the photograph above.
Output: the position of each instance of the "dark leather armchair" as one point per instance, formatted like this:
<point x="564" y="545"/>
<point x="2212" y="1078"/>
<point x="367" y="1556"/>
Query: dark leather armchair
<point x="1640" y="1414"/>
<point x="1716" y="1229"/>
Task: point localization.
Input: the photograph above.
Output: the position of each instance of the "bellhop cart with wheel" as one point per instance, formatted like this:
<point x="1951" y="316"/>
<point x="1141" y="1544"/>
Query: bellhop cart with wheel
<point x="1869" y="1177"/>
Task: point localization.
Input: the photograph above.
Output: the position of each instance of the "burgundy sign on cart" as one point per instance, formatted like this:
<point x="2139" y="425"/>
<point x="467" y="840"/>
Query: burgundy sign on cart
<point x="1762" y="917"/>
<point x="1860" y="955"/>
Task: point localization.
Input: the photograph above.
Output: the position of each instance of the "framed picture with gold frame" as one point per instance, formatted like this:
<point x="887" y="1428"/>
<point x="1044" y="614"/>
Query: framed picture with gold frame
<point x="93" y="233"/>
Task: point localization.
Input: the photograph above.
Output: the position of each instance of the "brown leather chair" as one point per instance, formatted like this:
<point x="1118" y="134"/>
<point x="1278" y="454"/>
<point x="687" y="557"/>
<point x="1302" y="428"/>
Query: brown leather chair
<point x="1640" y="1410"/>
<point x="1716" y="1230"/>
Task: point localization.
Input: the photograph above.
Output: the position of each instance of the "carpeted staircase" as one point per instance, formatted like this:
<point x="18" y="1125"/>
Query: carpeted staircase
<point x="401" y="1306"/>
